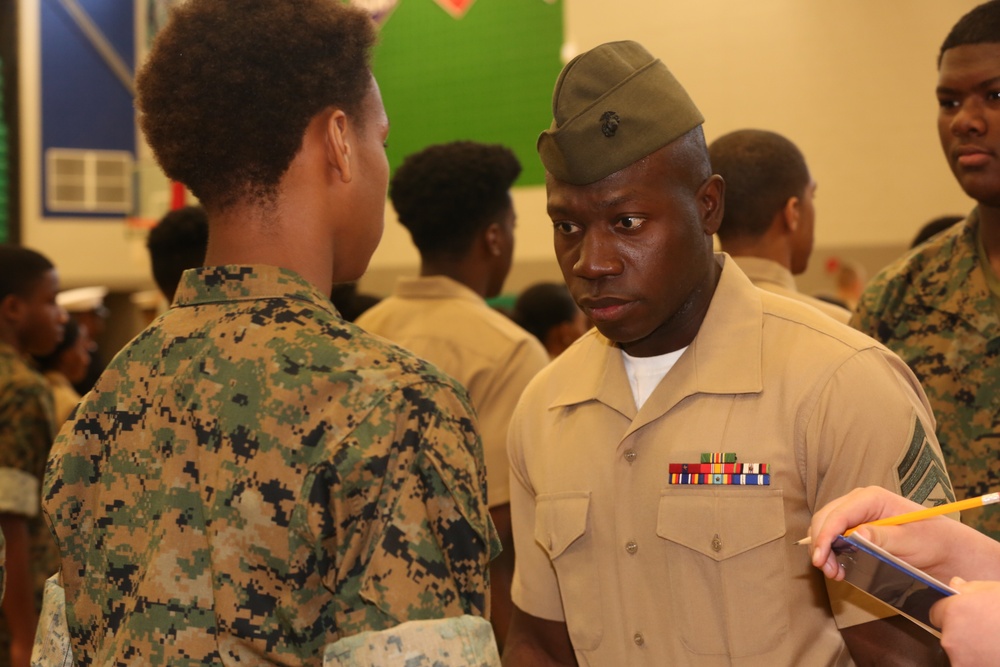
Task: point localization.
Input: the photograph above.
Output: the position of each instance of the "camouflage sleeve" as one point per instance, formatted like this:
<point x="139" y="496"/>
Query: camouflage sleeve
<point x="463" y="641"/>
<point x="864" y="317"/>
<point x="25" y="438"/>
<point x="409" y="526"/>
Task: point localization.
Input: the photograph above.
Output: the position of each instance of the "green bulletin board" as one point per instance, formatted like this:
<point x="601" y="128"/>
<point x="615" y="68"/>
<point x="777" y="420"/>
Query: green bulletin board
<point x="487" y="76"/>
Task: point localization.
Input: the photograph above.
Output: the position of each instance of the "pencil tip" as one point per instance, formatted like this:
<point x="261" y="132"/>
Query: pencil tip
<point x="805" y="540"/>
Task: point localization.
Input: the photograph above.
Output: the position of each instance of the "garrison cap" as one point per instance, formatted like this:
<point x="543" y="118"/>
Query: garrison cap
<point x="613" y="105"/>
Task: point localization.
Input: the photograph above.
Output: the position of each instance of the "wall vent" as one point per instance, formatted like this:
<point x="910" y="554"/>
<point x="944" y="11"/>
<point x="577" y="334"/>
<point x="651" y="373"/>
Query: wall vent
<point x="88" y="181"/>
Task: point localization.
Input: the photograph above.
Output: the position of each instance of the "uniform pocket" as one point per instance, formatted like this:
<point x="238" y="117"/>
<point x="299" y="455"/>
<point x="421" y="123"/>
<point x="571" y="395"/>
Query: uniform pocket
<point x="563" y="531"/>
<point x="727" y="559"/>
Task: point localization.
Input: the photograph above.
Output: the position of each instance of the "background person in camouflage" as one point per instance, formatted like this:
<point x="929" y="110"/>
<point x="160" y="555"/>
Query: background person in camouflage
<point x="253" y="478"/>
<point x="939" y="306"/>
<point x="30" y="322"/>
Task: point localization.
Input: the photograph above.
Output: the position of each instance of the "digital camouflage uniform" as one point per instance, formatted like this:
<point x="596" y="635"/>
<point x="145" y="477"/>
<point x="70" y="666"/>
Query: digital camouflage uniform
<point x="934" y="309"/>
<point x="466" y="641"/>
<point x="253" y="478"/>
<point x="26" y="432"/>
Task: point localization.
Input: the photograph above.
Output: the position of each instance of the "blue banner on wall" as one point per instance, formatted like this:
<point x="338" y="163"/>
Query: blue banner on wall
<point x="85" y="103"/>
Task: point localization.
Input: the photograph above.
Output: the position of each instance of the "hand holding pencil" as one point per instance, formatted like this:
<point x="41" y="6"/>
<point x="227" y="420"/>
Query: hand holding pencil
<point x="923" y="513"/>
<point x="947" y="550"/>
<point x="912" y="532"/>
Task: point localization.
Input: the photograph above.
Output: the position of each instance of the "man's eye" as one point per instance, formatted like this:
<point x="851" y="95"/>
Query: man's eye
<point x="563" y="227"/>
<point x="947" y="104"/>
<point x="630" y="222"/>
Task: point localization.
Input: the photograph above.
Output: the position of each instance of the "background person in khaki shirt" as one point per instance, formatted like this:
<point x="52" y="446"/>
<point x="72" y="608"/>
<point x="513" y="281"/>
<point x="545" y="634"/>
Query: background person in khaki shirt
<point x="618" y="564"/>
<point x="769" y="218"/>
<point x="455" y="201"/>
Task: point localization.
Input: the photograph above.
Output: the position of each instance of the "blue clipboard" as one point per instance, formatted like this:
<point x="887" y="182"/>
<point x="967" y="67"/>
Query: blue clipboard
<point x="875" y="571"/>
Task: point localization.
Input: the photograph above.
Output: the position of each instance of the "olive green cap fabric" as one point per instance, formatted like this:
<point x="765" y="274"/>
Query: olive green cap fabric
<point x="613" y="105"/>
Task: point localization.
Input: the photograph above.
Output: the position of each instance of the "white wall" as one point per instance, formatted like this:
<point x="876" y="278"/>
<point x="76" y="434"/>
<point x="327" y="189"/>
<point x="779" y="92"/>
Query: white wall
<point x="851" y="82"/>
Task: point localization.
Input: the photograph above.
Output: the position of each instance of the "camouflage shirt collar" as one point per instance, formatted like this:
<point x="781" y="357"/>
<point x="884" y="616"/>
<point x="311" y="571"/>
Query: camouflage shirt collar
<point x="7" y="350"/>
<point x="951" y="279"/>
<point x="235" y="282"/>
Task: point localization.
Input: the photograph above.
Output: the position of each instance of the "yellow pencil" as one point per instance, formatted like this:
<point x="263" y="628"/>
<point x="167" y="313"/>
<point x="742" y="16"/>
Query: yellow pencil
<point x="920" y="515"/>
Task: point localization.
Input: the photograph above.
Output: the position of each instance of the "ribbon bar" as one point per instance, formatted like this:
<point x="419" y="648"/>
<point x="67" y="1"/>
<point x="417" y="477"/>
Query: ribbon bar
<point x="720" y="479"/>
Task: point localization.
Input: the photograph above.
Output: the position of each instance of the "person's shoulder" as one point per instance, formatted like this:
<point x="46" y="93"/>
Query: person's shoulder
<point x="504" y="327"/>
<point x="838" y="313"/>
<point x="788" y="319"/>
<point x="383" y="366"/>
<point x="807" y="348"/>
<point x="378" y="311"/>
<point x="319" y="346"/>
<point x="915" y="270"/>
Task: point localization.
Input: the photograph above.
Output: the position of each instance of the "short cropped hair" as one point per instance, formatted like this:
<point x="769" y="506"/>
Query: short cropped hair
<point x="762" y="170"/>
<point x="230" y="87"/>
<point x="981" y="25"/>
<point x="542" y="307"/>
<point x="177" y="243"/>
<point x="20" y="270"/>
<point x="445" y="194"/>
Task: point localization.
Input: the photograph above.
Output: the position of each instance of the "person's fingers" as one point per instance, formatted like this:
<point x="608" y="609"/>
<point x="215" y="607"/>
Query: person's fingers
<point x="857" y="507"/>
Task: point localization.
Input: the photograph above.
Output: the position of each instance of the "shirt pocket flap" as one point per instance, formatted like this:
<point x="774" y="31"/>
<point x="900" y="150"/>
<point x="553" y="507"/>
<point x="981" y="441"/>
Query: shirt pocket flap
<point x="560" y="520"/>
<point x="720" y="524"/>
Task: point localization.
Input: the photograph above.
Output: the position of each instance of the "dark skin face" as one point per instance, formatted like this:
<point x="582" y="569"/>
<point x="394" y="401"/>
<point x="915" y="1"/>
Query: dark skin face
<point x="968" y="94"/>
<point x="635" y="248"/>
<point x="42" y="319"/>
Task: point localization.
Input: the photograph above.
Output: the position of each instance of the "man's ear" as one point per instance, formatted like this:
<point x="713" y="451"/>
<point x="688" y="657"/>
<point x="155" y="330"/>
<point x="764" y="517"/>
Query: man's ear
<point x="11" y="308"/>
<point x="338" y="147"/>
<point x="711" y="198"/>
<point x="790" y="214"/>
<point x="492" y="238"/>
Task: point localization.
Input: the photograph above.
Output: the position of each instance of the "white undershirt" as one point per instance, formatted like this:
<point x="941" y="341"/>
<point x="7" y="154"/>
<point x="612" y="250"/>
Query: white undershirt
<point x="645" y="373"/>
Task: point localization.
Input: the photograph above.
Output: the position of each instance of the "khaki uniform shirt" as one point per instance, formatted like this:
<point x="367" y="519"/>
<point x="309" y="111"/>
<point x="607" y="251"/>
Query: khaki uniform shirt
<point x="773" y="277"/>
<point x="64" y="396"/>
<point x="933" y="308"/>
<point x="451" y="326"/>
<point x="645" y="572"/>
<point x="253" y="478"/>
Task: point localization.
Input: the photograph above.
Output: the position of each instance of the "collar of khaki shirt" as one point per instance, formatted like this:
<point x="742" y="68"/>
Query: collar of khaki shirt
<point x="724" y="357"/>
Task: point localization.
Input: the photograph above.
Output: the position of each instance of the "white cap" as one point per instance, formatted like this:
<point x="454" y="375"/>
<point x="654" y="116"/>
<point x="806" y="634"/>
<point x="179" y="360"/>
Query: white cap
<point x="82" y="299"/>
<point x="149" y="299"/>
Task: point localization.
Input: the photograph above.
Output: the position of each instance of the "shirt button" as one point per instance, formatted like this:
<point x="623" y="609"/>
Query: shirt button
<point x="631" y="546"/>
<point x="630" y="455"/>
<point x="716" y="543"/>
<point x="638" y="639"/>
